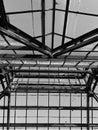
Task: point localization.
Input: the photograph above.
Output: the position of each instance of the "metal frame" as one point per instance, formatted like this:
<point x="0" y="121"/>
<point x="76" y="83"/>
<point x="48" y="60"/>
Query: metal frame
<point x="76" y="80"/>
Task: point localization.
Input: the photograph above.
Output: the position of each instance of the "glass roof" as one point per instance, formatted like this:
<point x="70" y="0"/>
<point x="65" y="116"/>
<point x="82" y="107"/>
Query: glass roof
<point x="61" y="32"/>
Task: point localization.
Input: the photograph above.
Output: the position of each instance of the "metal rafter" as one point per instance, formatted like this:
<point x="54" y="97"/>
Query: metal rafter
<point x="53" y="24"/>
<point x="65" y="21"/>
<point x="76" y="45"/>
<point x="3" y="18"/>
<point x="43" y="20"/>
<point x="22" y="125"/>
<point x="76" y="40"/>
<point x="22" y="38"/>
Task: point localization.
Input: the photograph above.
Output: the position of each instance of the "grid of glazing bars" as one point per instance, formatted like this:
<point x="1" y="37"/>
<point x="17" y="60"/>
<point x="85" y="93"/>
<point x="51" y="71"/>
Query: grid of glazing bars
<point x="34" y="111"/>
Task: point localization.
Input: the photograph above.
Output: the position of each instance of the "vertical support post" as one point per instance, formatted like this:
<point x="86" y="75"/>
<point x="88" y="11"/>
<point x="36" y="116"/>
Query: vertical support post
<point x="48" y="106"/>
<point x="59" y="106"/>
<point x="3" y="112"/>
<point x="88" y="85"/>
<point x="92" y="110"/>
<point x="70" y="111"/>
<point x="81" y="109"/>
<point x="8" y="113"/>
<point x="15" y="109"/>
<point x="87" y="110"/>
<point x="37" y="108"/>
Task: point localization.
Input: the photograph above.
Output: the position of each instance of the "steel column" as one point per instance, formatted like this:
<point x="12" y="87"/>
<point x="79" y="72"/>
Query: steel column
<point x="8" y="113"/>
<point x="88" y="114"/>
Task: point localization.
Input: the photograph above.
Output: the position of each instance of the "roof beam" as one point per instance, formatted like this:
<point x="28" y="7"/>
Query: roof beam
<point x="43" y="20"/>
<point x="65" y="21"/>
<point x="26" y="11"/>
<point x="51" y="71"/>
<point x="53" y="24"/>
<point x="25" y="39"/>
<point x="76" y="40"/>
<point x="3" y="18"/>
<point x="78" y="12"/>
<point x="76" y="43"/>
<point x="27" y="36"/>
<point x="48" y="76"/>
<point x="11" y="47"/>
<point x="44" y="125"/>
<point x="77" y="46"/>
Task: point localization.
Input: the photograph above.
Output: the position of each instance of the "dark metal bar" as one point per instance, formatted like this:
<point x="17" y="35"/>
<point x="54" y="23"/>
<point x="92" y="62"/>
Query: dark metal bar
<point x="49" y="125"/>
<point x="78" y="39"/>
<point x="26" y="109"/>
<point x="89" y="83"/>
<point x="43" y="58"/>
<point x="28" y="42"/>
<point x="3" y="86"/>
<point x="50" y="84"/>
<point x="70" y="111"/>
<point x="77" y="46"/>
<point x="65" y="36"/>
<point x="26" y="11"/>
<point x="92" y="111"/>
<point x="52" y="71"/>
<point x="2" y="95"/>
<point x="78" y="12"/>
<point x="59" y="109"/>
<point x="48" y="107"/>
<point x="61" y="10"/>
<point x="53" y="24"/>
<point x="94" y="86"/>
<point x="52" y="90"/>
<point x="48" y="76"/>
<point x="65" y="21"/>
<point x="88" y="114"/>
<point x="3" y="18"/>
<point x="3" y="111"/>
<point x="5" y="92"/>
<point x="81" y="110"/>
<point x="95" y="97"/>
<point x="11" y="47"/>
<point x="8" y="114"/>
<point x="43" y="20"/>
<point x="15" y="109"/>
<point x="37" y="109"/>
<point x="28" y="37"/>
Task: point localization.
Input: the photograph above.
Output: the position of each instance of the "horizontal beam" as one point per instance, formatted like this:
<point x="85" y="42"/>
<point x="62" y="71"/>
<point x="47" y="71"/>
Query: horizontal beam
<point x="51" y="84"/>
<point x="48" y="108"/>
<point x="48" y="76"/>
<point x="23" y="47"/>
<point x="48" y="125"/>
<point x="61" y="10"/>
<point x="48" y="90"/>
<point x="26" y="11"/>
<point x="51" y="71"/>
<point x="42" y="57"/>
<point x="78" y="12"/>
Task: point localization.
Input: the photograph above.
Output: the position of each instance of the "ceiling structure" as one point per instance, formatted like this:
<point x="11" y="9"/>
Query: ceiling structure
<point x="49" y="46"/>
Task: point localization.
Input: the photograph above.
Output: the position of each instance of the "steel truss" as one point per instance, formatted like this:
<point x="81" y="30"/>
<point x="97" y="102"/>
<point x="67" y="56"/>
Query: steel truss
<point x="57" y="90"/>
<point x="45" y="92"/>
